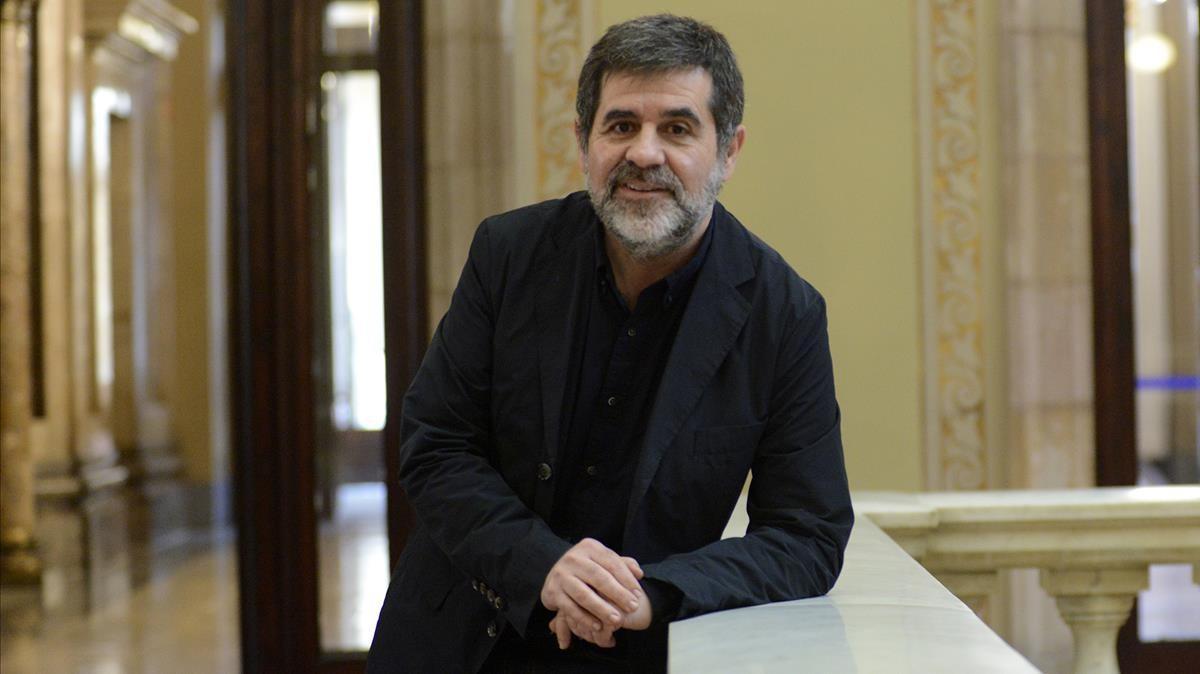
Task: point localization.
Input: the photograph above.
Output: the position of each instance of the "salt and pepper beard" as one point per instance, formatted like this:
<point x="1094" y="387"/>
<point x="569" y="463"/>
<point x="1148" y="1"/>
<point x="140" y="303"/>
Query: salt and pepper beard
<point x="654" y="227"/>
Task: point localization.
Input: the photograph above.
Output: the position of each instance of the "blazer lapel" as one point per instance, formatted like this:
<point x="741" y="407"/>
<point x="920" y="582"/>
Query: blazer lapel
<point x="710" y="325"/>
<point x="560" y="295"/>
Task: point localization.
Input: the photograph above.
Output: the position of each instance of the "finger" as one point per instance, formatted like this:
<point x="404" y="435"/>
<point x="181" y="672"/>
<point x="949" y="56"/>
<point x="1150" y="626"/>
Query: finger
<point x="634" y="567"/>
<point x="624" y="573"/>
<point x="592" y="606"/>
<point x="581" y="622"/>
<point x="612" y="579"/>
<point x="621" y="568"/>
<point x="604" y="639"/>
<point x="562" y="632"/>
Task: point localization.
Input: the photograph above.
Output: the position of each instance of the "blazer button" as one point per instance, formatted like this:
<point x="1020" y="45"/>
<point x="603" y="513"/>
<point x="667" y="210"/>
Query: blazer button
<point x="475" y="585"/>
<point x="544" y="471"/>
<point x="491" y="629"/>
<point x="491" y="595"/>
<point x="499" y="604"/>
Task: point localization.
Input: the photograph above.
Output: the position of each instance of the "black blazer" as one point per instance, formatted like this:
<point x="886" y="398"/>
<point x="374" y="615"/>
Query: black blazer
<point x="748" y="386"/>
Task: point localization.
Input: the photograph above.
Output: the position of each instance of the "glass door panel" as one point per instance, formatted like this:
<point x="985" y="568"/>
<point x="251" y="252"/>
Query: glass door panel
<point x="1165" y="216"/>
<point x="353" y="568"/>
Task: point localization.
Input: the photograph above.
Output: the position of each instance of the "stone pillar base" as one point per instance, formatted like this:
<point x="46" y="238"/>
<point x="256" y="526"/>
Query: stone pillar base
<point x="20" y="563"/>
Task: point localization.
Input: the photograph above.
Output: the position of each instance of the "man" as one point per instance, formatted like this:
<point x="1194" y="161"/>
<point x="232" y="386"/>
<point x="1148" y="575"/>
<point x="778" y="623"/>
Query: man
<point x="611" y="367"/>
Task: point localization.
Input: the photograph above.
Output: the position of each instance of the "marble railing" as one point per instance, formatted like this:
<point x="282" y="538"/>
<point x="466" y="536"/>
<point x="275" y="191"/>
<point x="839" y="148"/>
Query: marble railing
<point x="1092" y="547"/>
<point x="886" y="614"/>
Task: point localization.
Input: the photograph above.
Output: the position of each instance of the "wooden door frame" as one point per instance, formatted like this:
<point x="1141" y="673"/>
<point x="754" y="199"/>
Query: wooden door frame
<point x="271" y="50"/>
<point x="1112" y="296"/>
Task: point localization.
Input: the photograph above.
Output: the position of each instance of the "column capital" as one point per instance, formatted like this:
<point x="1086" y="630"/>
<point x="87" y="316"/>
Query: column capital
<point x="1101" y="581"/>
<point x="1095" y="603"/>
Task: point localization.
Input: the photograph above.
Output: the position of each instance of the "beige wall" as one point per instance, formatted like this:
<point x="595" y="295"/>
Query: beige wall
<point x="827" y="177"/>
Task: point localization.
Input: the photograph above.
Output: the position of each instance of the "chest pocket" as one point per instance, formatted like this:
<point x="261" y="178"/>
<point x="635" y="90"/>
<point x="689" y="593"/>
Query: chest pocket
<point x="727" y="444"/>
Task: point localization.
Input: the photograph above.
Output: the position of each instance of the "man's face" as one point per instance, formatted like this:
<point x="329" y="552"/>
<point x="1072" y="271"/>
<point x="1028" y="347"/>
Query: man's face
<point x="651" y="163"/>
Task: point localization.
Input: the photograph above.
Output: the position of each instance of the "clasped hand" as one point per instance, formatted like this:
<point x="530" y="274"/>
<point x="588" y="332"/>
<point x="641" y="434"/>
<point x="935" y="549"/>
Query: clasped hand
<point x="594" y="592"/>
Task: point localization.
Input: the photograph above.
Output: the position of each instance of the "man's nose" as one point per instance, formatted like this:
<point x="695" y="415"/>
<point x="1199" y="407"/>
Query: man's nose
<point x="646" y="150"/>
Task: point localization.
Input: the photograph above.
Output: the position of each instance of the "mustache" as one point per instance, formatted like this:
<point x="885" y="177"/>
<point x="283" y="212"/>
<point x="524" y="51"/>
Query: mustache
<point x="658" y="176"/>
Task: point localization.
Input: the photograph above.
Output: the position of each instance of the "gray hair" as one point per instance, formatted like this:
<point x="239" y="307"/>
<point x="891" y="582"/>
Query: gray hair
<point x="659" y="44"/>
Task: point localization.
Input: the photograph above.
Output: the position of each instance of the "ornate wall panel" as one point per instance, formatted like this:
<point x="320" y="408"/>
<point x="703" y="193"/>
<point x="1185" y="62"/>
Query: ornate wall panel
<point x="561" y="39"/>
<point x="951" y="217"/>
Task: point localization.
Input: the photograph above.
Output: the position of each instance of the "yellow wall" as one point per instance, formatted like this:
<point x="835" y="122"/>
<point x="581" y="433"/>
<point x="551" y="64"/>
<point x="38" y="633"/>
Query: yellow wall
<point x="200" y="413"/>
<point x="827" y="177"/>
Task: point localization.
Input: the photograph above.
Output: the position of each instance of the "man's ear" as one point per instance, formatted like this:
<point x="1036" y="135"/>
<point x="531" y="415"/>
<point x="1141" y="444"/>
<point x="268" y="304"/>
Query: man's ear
<point x="735" y="147"/>
<point x="580" y="142"/>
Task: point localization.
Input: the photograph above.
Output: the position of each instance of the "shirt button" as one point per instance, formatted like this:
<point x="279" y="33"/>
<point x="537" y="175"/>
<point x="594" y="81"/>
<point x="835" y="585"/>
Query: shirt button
<point x="491" y="629"/>
<point x="592" y="470"/>
<point x="632" y="332"/>
<point x="544" y="471"/>
<point x="612" y="401"/>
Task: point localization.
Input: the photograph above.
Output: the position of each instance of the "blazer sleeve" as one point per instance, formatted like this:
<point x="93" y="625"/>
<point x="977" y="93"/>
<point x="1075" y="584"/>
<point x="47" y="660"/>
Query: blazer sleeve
<point x="460" y="499"/>
<point x="799" y="501"/>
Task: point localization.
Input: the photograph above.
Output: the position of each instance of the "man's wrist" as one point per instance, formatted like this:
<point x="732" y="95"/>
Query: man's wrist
<point x="664" y="600"/>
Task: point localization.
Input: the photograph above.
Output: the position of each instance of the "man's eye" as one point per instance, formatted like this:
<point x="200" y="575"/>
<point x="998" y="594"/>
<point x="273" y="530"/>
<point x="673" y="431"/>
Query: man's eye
<point x="622" y="127"/>
<point x="678" y="130"/>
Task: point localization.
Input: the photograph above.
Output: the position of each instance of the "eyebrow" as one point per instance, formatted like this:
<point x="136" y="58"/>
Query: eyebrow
<point x="674" y="113"/>
<point x="618" y="113"/>
<point x="684" y="113"/>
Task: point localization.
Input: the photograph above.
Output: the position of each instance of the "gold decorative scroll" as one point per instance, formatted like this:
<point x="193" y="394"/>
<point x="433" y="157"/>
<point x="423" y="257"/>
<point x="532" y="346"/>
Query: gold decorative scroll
<point x="559" y="49"/>
<point x="951" y="231"/>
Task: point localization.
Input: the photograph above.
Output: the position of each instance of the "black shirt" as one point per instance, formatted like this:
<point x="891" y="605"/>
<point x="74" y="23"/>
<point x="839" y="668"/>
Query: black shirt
<point x="617" y="363"/>
<point x="619" y="360"/>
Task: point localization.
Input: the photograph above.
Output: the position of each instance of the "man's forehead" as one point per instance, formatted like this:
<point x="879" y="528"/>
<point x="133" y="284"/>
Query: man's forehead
<point x="681" y="81"/>
<point x="690" y="78"/>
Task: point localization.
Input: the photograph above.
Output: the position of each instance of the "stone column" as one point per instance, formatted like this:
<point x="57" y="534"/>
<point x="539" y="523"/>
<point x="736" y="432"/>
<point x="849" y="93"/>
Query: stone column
<point x="982" y="591"/>
<point x="1046" y="224"/>
<point x="1095" y="603"/>
<point x="134" y="64"/>
<point x="19" y="562"/>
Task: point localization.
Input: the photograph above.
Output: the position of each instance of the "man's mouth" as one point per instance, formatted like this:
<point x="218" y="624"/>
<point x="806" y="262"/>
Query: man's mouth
<point x="643" y="188"/>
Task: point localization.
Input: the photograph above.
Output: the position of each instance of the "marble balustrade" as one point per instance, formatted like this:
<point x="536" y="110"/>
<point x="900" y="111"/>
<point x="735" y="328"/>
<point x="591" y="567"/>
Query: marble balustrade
<point x="886" y="614"/>
<point x="1092" y="547"/>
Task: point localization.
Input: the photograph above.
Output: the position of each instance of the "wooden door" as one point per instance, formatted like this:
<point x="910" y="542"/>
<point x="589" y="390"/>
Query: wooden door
<point x="275" y="60"/>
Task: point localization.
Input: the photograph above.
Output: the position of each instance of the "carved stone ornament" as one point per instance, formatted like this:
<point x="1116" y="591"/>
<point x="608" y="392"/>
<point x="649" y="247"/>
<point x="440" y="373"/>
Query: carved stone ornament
<point x="559" y="49"/>
<point x="951" y="232"/>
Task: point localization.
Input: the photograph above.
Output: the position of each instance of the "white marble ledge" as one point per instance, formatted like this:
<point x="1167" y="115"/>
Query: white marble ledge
<point x="1163" y="503"/>
<point x="1081" y="528"/>
<point x="886" y="614"/>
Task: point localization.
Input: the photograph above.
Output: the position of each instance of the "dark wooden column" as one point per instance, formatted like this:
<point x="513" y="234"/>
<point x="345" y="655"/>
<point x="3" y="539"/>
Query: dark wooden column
<point x="1112" y="277"/>
<point x="402" y="135"/>
<point x="271" y="328"/>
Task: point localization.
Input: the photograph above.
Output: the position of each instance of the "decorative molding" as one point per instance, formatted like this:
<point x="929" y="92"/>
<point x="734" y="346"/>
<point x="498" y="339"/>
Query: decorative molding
<point x="138" y="29"/>
<point x="559" y="48"/>
<point x="951" y="241"/>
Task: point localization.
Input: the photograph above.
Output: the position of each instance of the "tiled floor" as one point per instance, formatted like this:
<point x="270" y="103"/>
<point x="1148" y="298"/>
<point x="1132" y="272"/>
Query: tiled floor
<point x="354" y="567"/>
<point x="114" y="601"/>
<point x="182" y="618"/>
